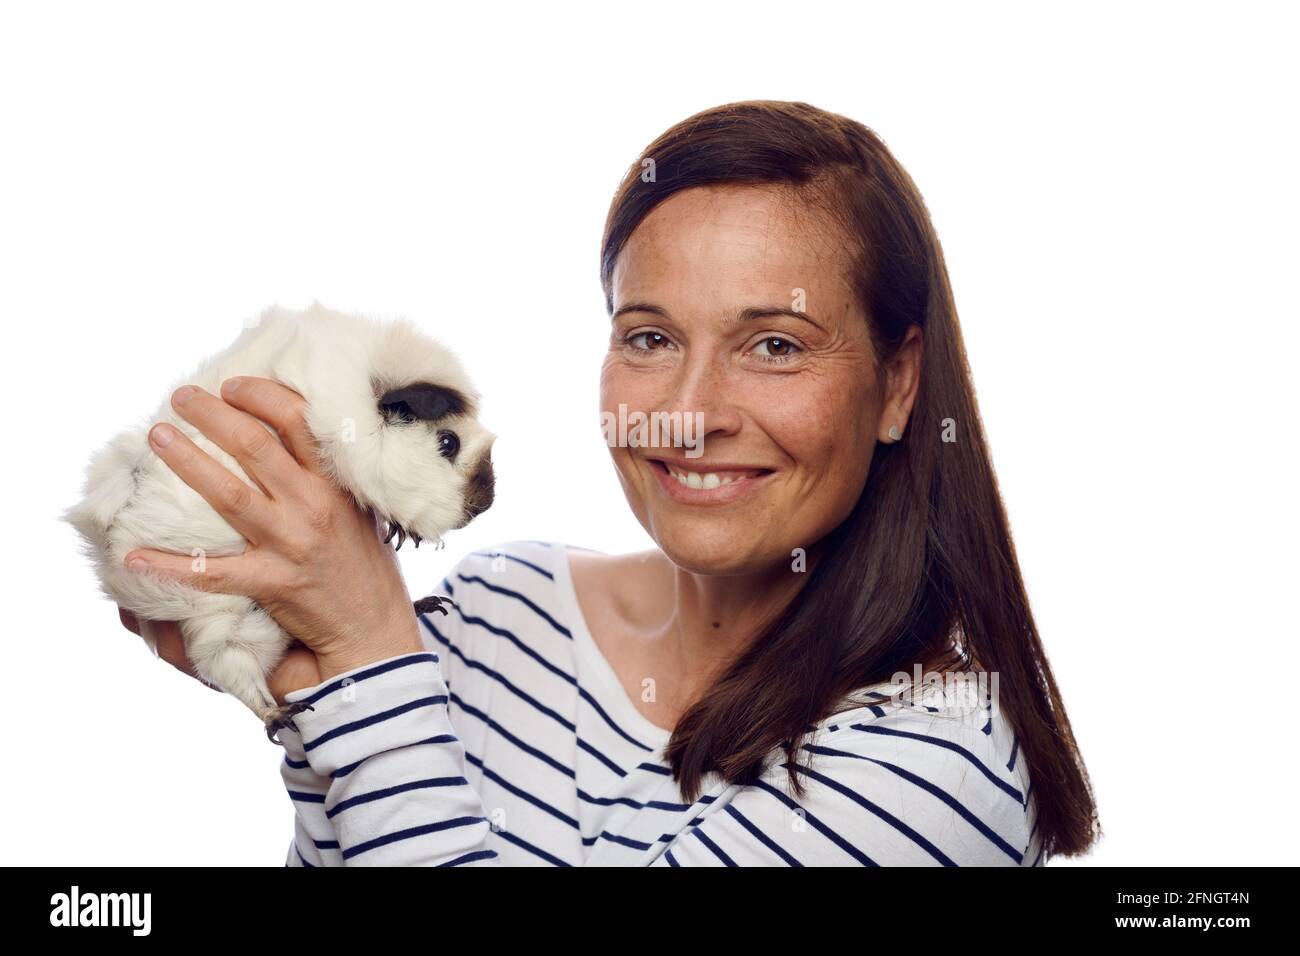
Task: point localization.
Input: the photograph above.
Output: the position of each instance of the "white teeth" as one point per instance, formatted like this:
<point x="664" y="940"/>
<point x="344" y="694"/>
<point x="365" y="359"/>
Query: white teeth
<point x="692" y="479"/>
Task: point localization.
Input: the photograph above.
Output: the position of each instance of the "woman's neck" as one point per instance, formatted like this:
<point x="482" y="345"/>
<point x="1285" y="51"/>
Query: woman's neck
<point x="708" y="621"/>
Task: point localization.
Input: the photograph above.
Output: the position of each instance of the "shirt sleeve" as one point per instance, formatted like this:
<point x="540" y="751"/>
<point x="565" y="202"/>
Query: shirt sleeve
<point x="377" y="775"/>
<point x="904" y="791"/>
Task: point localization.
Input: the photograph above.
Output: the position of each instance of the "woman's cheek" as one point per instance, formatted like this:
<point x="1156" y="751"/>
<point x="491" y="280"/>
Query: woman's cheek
<point x="825" y="429"/>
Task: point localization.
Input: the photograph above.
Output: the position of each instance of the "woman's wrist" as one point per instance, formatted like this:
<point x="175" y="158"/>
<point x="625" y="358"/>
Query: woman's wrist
<point x="402" y="636"/>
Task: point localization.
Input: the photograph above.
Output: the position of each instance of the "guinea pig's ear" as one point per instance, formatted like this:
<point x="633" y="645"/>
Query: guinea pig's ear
<point x="422" y="402"/>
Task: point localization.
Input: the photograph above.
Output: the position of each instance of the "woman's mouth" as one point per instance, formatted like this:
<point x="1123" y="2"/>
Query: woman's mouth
<point x="700" y="482"/>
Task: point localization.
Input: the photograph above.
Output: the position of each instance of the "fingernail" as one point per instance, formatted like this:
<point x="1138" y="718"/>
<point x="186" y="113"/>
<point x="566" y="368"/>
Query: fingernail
<point x="183" y="394"/>
<point x="161" y="435"/>
<point x="230" y="384"/>
<point x="138" y="564"/>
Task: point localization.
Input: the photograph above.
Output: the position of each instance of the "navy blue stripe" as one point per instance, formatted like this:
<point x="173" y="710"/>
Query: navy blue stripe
<point x="760" y="836"/>
<point x="373" y="719"/>
<point x="326" y="844"/>
<point x="526" y="748"/>
<point x="296" y="764"/>
<point x="302" y="797"/>
<point x="471" y="858"/>
<point x="668" y="838"/>
<point x="528" y="564"/>
<point x="392" y="791"/>
<point x="564" y="675"/>
<point x="930" y="788"/>
<point x="383" y="667"/>
<point x="302" y="858"/>
<point x="536" y="851"/>
<point x="610" y="721"/>
<point x="816" y="824"/>
<point x="620" y="840"/>
<point x="588" y="748"/>
<point x="409" y="834"/>
<point x="475" y="665"/>
<point x="439" y="739"/>
<point x="714" y="848"/>
<point x="879" y="811"/>
<point x="647" y="805"/>
<point x="566" y="724"/>
<point x="520" y="792"/>
<point x="672" y="860"/>
<point x="947" y="745"/>
<point x="541" y="612"/>
<point x="1015" y="752"/>
<point x="455" y="652"/>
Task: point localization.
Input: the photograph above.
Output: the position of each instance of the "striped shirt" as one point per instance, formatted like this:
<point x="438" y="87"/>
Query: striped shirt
<point x="512" y="741"/>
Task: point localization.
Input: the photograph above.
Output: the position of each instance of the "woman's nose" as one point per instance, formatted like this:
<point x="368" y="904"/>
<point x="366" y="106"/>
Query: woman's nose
<point x="704" y="389"/>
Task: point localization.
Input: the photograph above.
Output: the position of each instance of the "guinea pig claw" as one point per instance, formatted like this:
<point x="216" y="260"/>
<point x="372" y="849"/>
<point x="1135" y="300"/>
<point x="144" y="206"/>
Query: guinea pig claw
<point x="396" y="529"/>
<point x="283" y="717"/>
<point x="434" y="602"/>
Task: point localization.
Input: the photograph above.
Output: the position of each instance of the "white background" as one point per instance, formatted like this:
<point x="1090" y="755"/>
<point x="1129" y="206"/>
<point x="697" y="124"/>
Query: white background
<point x="1115" y="188"/>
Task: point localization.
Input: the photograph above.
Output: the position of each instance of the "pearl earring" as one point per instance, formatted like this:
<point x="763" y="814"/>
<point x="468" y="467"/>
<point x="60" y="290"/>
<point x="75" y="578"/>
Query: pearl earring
<point x="894" y="433"/>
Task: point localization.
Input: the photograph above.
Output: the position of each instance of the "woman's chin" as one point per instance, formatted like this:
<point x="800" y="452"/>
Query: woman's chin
<point x="704" y="551"/>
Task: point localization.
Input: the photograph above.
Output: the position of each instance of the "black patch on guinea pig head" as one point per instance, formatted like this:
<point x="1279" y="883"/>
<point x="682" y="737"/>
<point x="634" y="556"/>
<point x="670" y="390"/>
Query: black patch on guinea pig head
<point x="421" y="402"/>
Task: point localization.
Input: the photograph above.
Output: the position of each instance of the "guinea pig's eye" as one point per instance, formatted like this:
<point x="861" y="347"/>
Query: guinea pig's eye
<point x="448" y="445"/>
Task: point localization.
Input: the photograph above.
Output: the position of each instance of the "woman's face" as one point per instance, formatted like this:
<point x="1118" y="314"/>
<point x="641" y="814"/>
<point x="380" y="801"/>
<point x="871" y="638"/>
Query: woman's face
<point x="705" y="292"/>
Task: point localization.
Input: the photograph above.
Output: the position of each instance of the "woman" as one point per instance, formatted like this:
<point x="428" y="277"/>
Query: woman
<point x="729" y="696"/>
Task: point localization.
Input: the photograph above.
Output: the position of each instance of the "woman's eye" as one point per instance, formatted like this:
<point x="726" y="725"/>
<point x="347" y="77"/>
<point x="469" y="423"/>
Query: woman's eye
<point x="647" y="341"/>
<point x="775" y="349"/>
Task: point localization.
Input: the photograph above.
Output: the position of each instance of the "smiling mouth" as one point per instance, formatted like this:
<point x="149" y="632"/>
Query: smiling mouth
<point x="706" y="478"/>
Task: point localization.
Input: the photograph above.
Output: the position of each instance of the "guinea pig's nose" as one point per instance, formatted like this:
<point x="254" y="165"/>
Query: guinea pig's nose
<point x="480" y="490"/>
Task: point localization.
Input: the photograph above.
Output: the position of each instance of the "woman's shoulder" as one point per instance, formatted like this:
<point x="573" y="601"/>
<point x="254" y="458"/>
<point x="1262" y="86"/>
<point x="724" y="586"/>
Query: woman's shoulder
<point x="944" y="776"/>
<point x="505" y="571"/>
<point x="508" y="585"/>
<point x="513" y="557"/>
<point x="506" y="600"/>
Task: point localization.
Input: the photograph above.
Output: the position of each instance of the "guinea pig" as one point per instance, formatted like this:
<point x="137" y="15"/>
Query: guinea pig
<point x="395" y="420"/>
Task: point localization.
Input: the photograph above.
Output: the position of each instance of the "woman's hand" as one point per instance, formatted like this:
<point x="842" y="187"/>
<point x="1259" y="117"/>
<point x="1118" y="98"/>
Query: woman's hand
<point x="314" y="561"/>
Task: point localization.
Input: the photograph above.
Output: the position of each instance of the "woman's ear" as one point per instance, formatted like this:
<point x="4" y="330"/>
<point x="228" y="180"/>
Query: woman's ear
<point x="903" y="379"/>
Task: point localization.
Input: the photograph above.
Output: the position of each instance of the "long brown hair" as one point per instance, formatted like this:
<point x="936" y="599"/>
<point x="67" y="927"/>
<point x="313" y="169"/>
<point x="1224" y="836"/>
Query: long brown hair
<point x="923" y="568"/>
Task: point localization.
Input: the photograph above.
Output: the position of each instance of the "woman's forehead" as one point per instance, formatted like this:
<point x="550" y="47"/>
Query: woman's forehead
<point x="724" y="243"/>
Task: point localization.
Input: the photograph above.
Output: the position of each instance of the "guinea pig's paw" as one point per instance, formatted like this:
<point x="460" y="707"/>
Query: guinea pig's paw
<point x="278" y="717"/>
<point x="396" y="529"/>
<point x="434" y="602"/>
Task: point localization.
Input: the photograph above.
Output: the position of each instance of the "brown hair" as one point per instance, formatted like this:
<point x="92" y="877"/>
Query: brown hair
<point x="923" y="568"/>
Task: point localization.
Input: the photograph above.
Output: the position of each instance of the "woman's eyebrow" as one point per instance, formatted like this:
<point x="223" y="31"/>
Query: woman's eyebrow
<point x="639" y="307"/>
<point x="744" y="315"/>
<point x="759" y="312"/>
